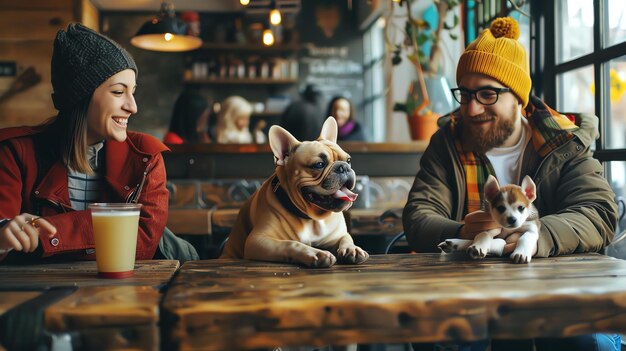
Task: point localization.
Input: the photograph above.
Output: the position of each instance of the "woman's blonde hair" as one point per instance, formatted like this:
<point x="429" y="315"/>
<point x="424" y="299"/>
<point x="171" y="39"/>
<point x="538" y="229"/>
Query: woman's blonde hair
<point x="231" y="110"/>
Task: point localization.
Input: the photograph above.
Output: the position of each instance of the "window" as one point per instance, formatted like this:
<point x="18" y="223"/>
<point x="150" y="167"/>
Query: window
<point x="575" y="90"/>
<point x="616" y="119"/>
<point x="374" y="92"/>
<point x="574" y="28"/>
<point x="617" y="22"/>
<point x="480" y="14"/>
<point x="588" y="73"/>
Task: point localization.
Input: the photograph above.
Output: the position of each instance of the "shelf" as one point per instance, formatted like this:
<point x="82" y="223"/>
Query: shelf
<point x="249" y="47"/>
<point x="267" y="114"/>
<point x="258" y="81"/>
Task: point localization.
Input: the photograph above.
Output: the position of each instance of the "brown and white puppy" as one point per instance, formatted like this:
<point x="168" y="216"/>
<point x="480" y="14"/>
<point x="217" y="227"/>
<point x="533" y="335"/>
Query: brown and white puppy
<point x="511" y="206"/>
<point x="295" y="216"/>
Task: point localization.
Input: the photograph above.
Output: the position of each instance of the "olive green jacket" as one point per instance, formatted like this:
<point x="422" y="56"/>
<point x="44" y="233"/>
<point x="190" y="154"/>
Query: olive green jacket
<point x="575" y="202"/>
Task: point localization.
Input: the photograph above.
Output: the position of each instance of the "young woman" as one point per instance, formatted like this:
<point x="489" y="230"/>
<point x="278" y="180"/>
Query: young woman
<point x="190" y="120"/>
<point x="51" y="172"/>
<point x="349" y="129"/>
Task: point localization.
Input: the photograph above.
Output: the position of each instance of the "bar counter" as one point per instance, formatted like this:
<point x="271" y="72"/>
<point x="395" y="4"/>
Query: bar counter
<point x="210" y="161"/>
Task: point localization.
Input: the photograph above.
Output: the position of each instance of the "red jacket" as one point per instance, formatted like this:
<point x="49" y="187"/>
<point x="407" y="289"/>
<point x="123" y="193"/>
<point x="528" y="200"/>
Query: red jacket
<point x="173" y="138"/>
<point x="125" y="165"/>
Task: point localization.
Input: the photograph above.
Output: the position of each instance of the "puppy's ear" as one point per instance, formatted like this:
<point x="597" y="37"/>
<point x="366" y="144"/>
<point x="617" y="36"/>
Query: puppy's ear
<point x="329" y="130"/>
<point x="529" y="188"/>
<point x="281" y="141"/>
<point x="491" y="187"/>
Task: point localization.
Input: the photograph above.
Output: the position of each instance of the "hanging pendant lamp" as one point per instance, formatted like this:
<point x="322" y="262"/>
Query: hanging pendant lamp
<point x="165" y="33"/>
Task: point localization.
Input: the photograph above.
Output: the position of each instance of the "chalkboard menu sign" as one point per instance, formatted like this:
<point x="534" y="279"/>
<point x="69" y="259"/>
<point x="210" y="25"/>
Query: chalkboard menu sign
<point x="331" y="57"/>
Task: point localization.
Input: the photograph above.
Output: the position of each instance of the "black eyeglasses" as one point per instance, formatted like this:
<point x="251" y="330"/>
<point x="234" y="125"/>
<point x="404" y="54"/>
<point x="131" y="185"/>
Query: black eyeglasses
<point x="484" y="96"/>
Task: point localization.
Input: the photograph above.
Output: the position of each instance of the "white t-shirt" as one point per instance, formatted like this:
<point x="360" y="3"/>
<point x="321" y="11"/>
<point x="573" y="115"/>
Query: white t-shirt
<point x="507" y="161"/>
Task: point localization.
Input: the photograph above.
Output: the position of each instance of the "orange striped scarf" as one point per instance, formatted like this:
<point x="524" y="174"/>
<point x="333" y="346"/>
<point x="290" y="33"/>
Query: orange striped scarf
<point x="550" y="130"/>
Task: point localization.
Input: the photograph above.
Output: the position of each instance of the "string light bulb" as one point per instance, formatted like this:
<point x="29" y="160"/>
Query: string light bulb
<point x="268" y="37"/>
<point x="244" y="2"/>
<point x="275" y="17"/>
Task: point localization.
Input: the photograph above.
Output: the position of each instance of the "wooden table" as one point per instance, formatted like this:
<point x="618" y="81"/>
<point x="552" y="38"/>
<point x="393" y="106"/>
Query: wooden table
<point x="100" y="313"/>
<point x="230" y="304"/>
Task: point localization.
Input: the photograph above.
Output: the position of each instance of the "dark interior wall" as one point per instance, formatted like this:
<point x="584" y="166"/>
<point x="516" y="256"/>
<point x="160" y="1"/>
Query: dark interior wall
<point x="160" y="77"/>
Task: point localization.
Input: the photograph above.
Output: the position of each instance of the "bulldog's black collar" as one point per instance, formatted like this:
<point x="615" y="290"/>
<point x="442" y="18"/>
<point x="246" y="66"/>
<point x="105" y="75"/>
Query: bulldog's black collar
<point x="284" y="200"/>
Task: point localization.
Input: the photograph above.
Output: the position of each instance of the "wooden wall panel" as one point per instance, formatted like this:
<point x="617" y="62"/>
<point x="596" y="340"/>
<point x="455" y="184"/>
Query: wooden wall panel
<point x="27" y="32"/>
<point x="32" y="25"/>
<point x="89" y="15"/>
<point x="36" y="5"/>
<point x="33" y="105"/>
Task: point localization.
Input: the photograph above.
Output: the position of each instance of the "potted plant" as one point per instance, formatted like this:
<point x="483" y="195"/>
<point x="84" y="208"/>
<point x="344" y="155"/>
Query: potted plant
<point x="424" y="25"/>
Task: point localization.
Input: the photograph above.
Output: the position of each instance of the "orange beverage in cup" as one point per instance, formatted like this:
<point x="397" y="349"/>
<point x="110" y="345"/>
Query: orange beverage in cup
<point x="115" y="228"/>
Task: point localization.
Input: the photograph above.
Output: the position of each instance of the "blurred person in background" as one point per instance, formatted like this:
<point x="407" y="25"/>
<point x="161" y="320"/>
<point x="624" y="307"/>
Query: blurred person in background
<point x="342" y="110"/>
<point x="190" y="119"/>
<point x="305" y="116"/>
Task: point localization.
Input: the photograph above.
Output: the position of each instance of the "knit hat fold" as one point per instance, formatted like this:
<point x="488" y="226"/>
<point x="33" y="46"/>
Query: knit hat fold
<point x="82" y="59"/>
<point x="498" y="54"/>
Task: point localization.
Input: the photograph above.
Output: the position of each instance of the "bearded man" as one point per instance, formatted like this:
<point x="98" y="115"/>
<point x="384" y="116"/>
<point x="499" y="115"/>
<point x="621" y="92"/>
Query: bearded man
<point x="501" y="130"/>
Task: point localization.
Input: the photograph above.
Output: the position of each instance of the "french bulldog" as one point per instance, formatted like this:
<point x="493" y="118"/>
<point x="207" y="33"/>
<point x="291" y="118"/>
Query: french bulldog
<point x="296" y="215"/>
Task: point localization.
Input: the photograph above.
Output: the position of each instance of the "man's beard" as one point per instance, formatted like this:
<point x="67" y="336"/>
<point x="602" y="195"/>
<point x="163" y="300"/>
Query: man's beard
<point x="477" y="140"/>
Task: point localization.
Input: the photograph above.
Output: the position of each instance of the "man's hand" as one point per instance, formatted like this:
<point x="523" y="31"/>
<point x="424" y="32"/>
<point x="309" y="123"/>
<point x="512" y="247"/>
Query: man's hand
<point x="22" y="233"/>
<point x="511" y="244"/>
<point x="477" y="222"/>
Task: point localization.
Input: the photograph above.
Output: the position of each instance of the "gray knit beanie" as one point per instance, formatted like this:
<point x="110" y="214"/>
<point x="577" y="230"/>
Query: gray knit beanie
<point x="83" y="59"/>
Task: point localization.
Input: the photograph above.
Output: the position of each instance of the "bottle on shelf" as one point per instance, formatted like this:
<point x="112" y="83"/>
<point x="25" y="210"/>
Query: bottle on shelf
<point x="240" y="37"/>
<point x="265" y="69"/>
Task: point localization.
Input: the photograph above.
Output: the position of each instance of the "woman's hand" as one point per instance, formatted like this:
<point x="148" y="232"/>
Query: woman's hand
<point x="22" y="233"/>
<point x="477" y="222"/>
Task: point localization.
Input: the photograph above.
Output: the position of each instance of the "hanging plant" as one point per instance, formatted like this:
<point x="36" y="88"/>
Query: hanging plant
<point x="421" y="35"/>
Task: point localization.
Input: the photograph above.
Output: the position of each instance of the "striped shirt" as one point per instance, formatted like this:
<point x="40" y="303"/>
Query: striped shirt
<point x="85" y="189"/>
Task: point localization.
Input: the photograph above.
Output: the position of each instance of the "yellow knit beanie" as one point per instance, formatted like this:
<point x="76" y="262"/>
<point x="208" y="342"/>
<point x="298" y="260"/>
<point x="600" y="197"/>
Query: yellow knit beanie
<point x="498" y="54"/>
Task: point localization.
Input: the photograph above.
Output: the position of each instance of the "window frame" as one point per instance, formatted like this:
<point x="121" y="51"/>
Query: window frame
<point x="600" y="58"/>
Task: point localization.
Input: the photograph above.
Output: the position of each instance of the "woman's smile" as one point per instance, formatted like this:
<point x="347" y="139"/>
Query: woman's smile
<point x="121" y="121"/>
